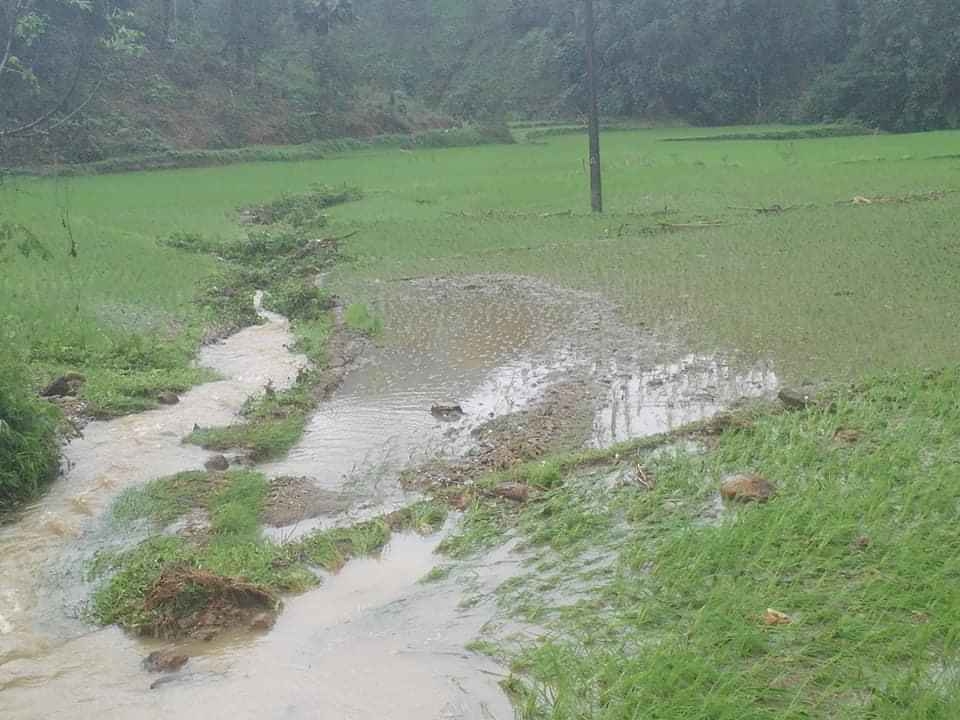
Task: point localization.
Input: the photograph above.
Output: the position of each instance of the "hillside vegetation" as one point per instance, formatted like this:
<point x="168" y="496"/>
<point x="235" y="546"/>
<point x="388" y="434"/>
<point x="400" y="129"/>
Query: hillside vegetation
<point x="83" y="82"/>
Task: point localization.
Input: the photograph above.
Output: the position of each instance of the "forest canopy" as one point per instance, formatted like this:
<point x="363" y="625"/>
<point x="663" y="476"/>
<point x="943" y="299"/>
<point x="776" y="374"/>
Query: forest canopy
<point x="88" y="79"/>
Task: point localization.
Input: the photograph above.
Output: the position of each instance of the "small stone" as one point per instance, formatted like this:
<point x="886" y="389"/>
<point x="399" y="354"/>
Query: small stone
<point x="164" y="661"/>
<point x="795" y="399"/>
<point x="447" y="411"/>
<point x="518" y="492"/>
<point x="218" y="463"/>
<point x="747" y="488"/>
<point x="66" y="385"/>
<point x="168" y="398"/>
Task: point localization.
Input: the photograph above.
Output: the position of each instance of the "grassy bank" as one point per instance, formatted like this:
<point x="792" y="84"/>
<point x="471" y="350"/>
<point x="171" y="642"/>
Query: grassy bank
<point x="836" y="599"/>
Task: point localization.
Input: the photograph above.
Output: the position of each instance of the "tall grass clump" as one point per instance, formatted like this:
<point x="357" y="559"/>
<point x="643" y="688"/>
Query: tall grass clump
<point x="28" y="437"/>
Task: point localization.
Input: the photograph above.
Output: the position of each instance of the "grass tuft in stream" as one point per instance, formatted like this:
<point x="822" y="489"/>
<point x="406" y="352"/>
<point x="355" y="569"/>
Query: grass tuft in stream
<point x="227" y="552"/>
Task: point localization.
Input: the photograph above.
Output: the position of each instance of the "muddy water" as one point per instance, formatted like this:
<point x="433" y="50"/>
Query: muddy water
<point x="490" y="346"/>
<point x="647" y="402"/>
<point x="372" y="642"/>
<point x="110" y="457"/>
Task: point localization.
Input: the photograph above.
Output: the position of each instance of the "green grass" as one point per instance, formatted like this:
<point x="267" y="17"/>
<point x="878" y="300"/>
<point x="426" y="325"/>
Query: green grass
<point x="653" y="603"/>
<point x="359" y="317"/>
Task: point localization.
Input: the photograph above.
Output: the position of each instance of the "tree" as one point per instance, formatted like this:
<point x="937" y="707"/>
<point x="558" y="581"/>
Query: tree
<point x="48" y="48"/>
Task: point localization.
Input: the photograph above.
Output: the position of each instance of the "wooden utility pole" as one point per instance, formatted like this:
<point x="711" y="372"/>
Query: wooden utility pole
<point x="596" y="183"/>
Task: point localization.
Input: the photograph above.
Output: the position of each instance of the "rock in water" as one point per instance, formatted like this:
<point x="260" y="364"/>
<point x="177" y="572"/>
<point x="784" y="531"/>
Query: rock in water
<point x="164" y="661"/>
<point x="218" y="463"/>
<point x="168" y="398"/>
<point x="447" y="411"/>
<point x="65" y="386"/>
<point x="747" y="488"/>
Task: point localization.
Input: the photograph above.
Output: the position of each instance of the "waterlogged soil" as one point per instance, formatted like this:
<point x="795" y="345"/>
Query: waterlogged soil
<point x="534" y="368"/>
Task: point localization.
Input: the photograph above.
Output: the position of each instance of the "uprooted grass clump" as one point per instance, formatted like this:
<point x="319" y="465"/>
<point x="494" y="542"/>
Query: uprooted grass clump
<point x="837" y="599"/>
<point x="304" y="211"/>
<point x="224" y="574"/>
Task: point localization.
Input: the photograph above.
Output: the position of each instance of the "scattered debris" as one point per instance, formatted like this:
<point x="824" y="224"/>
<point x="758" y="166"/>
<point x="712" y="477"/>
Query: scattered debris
<point x="645" y="478"/>
<point x="895" y="199"/>
<point x="218" y="463"/>
<point x="67" y="385"/>
<point x="168" y="398"/>
<point x="447" y="411"/>
<point x="747" y="488"/>
<point x="693" y="225"/>
<point x="846" y="436"/>
<point x="164" y="661"/>
<point x="775" y="209"/>
<point x="775" y="617"/>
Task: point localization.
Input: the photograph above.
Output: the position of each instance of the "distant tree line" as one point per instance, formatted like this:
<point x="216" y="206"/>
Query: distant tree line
<point x="894" y="64"/>
<point x="77" y="69"/>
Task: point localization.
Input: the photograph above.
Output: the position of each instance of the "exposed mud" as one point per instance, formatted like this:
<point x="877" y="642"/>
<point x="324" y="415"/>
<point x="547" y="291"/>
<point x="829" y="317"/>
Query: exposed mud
<point x="533" y="369"/>
<point x="292" y="500"/>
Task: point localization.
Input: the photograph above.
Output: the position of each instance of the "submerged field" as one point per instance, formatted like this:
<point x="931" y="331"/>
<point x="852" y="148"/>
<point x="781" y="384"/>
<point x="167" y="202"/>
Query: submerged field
<point x="637" y="591"/>
<point x="825" y="289"/>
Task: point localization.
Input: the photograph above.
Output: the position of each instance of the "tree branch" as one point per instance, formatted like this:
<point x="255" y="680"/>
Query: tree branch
<point x="11" y="33"/>
<point x="52" y="111"/>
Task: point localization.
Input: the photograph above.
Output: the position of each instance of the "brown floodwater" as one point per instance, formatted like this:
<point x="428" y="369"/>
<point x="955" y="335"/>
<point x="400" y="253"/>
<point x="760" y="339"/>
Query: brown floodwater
<point x="372" y="641"/>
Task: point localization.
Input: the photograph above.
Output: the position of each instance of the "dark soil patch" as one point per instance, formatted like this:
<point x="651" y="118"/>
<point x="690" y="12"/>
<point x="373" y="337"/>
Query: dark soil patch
<point x="290" y="500"/>
<point x="185" y="602"/>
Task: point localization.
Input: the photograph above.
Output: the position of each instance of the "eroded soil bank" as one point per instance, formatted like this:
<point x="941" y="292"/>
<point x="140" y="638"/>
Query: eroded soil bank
<point x="525" y="361"/>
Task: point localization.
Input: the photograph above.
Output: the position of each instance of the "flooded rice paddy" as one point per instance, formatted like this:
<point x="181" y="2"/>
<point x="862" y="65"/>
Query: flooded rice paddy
<point x="372" y="641"/>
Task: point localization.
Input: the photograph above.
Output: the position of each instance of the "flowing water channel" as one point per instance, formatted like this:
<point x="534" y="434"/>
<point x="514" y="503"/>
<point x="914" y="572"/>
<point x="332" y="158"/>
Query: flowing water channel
<point x="371" y="641"/>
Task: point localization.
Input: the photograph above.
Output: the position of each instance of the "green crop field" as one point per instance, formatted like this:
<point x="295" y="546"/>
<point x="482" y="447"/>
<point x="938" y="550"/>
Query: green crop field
<point x="826" y="288"/>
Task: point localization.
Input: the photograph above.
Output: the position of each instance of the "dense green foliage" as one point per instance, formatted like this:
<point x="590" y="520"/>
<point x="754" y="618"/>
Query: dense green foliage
<point x="89" y="81"/>
<point x="28" y="441"/>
